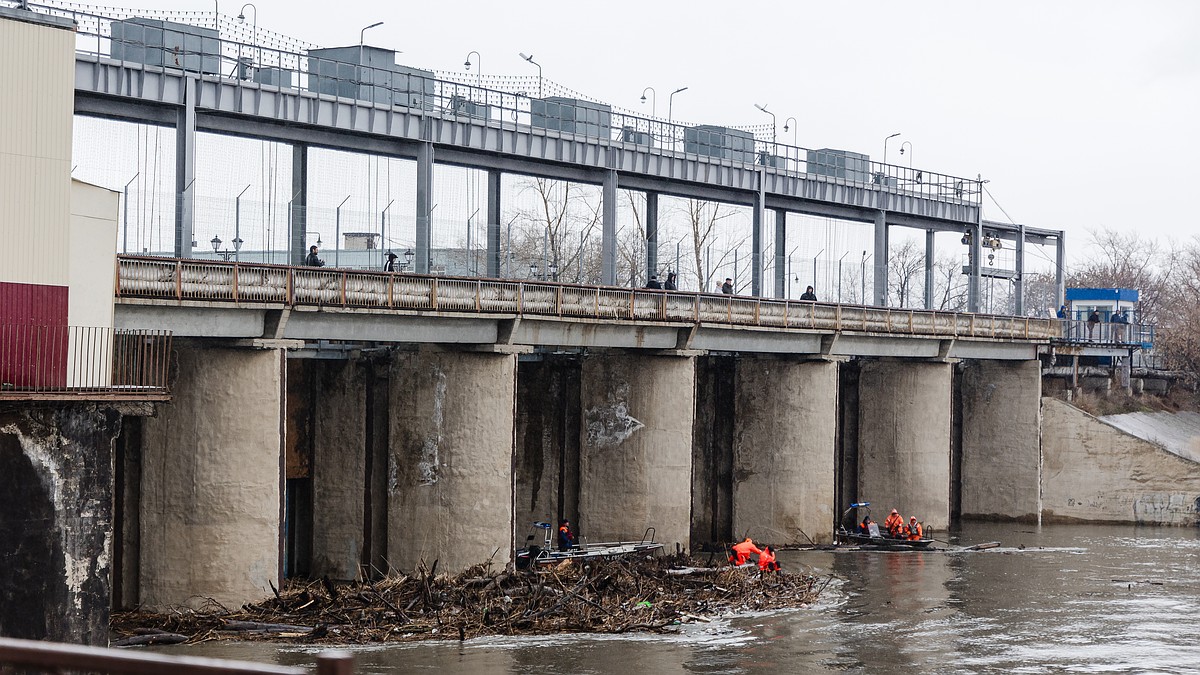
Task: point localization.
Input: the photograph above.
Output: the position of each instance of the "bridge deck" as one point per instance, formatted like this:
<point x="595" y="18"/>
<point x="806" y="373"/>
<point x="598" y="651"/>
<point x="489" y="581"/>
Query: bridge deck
<point x="216" y="299"/>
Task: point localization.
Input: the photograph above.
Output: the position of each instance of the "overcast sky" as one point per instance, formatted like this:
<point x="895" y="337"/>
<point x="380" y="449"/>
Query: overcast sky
<point x="1080" y="114"/>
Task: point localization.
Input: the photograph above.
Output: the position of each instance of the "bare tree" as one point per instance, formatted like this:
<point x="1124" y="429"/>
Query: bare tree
<point x="906" y="274"/>
<point x="703" y="217"/>
<point x="949" y="285"/>
<point x="555" y="228"/>
<point x="631" y="250"/>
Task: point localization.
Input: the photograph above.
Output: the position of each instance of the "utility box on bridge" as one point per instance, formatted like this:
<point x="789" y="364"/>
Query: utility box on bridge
<point x="723" y="142"/>
<point x="852" y="166"/>
<point x="368" y="74"/>
<point x="167" y="44"/>
<point x="572" y="115"/>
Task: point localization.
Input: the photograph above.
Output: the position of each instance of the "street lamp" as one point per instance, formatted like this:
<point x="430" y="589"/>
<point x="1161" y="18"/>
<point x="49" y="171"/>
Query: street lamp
<point x="885" y="143"/>
<point x="671" y="102"/>
<point x="840" y="276"/>
<point x="478" y="67"/>
<point x="553" y="271"/>
<point x="909" y="144"/>
<point x="653" y="99"/>
<point x="764" y="109"/>
<point x="529" y="58"/>
<point x="362" y="36"/>
<point x="815" y="258"/>
<point x="237" y="220"/>
<point x="862" y="274"/>
<point x="254" y="34"/>
<point x="534" y="270"/>
<point x="794" y="130"/>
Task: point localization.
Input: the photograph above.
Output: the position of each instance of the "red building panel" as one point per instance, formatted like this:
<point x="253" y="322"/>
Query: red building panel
<point x="33" y="335"/>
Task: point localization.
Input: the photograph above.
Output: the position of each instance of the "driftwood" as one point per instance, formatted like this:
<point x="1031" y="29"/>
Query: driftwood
<point x="609" y="596"/>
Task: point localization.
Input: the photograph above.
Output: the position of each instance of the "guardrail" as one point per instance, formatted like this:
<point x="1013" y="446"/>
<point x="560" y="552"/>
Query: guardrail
<point x="526" y="103"/>
<point x="187" y="280"/>
<point x="82" y="362"/>
<point x="1136" y="335"/>
<point x="49" y="657"/>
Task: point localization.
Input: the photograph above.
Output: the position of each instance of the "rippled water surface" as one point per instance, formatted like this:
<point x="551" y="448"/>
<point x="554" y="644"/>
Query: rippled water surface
<point x="1105" y="599"/>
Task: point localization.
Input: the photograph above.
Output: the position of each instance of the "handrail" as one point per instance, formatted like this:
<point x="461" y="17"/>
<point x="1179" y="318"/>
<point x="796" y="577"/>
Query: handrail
<point x="54" y="657"/>
<point x="386" y="292"/>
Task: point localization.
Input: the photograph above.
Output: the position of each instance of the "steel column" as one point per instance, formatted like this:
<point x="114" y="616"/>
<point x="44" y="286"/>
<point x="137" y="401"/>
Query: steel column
<point x="1019" y="285"/>
<point x="493" y="224"/>
<point x="974" y="285"/>
<point x="881" y="259"/>
<point x="651" y="233"/>
<point x="424" y="206"/>
<point x="781" y="272"/>
<point x="930" y="255"/>
<point x="608" y="230"/>
<point x="1060" y="278"/>
<point x="756" y="236"/>
<point x="185" y="170"/>
<point x="298" y="211"/>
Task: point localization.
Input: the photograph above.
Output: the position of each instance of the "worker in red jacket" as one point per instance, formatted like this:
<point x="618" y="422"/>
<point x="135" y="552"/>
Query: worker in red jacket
<point x="894" y="524"/>
<point x="914" y="530"/>
<point x="742" y="551"/>
<point x="766" y="560"/>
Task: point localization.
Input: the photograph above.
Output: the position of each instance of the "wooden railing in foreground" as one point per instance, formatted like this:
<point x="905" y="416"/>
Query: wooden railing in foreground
<point x="51" y="657"/>
<point x="184" y="280"/>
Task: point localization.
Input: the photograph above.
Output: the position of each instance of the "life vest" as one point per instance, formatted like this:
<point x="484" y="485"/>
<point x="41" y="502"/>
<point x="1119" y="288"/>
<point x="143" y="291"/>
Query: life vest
<point x="766" y="560"/>
<point x="742" y="551"/>
<point x="914" y="531"/>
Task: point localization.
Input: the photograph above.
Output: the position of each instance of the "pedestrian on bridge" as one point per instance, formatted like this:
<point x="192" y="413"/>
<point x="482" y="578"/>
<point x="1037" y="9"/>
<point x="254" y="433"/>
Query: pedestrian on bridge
<point x="313" y="260"/>
<point x="671" y="284"/>
<point x="653" y="283"/>
<point x="809" y="295"/>
<point x="390" y="266"/>
<point x="727" y="287"/>
<point x="1093" y="320"/>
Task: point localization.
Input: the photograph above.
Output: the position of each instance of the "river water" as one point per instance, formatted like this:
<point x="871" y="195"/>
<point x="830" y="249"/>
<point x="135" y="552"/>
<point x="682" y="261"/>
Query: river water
<point x="1082" y="598"/>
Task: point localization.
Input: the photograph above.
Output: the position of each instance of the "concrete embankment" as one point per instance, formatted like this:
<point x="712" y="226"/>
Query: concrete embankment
<point x="1094" y="471"/>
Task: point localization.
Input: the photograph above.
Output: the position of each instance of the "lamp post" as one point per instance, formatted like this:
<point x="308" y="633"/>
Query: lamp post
<point x="362" y="36"/>
<point x="242" y="19"/>
<point x="529" y="58"/>
<point x="885" y="144"/>
<point x="862" y="274"/>
<point x="671" y="102"/>
<point x="337" y="236"/>
<point x="815" y="258"/>
<point x="840" y="276"/>
<point x="478" y="67"/>
<point x="125" y="226"/>
<point x="382" y="230"/>
<point x="653" y="99"/>
<point x="795" y="130"/>
<point x="909" y="144"/>
<point x="237" y="222"/>
<point x="764" y="109"/>
<point x="216" y="244"/>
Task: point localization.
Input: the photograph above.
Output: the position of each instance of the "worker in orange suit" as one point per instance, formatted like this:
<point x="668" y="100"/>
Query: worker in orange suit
<point x="742" y="551"/>
<point x="766" y="560"/>
<point x="914" y="530"/>
<point x="894" y="524"/>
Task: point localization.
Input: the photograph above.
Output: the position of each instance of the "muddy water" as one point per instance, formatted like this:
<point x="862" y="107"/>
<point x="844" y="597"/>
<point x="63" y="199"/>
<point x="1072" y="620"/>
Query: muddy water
<point x="1074" y="598"/>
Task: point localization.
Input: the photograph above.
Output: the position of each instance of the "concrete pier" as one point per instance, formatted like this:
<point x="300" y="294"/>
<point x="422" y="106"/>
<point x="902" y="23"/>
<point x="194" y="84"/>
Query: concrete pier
<point x="210" y="483"/>
<point x="904" y="416"/>
<point x="783" y="450"/>
<point x="712" y="451"/>
<point x="56" y="521"/>
<point x="1001" y="440"/>
<point x="450" y="466"/>
<point x="635" y="468"/>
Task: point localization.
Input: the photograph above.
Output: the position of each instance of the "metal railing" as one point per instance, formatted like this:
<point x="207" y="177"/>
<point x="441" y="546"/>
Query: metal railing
<point x="187" y="280"/>
<point x="1136" y="335"/>
<point x="49" y="657"/>
<point x="83" y="362"/>
<point x="417" y="90"/>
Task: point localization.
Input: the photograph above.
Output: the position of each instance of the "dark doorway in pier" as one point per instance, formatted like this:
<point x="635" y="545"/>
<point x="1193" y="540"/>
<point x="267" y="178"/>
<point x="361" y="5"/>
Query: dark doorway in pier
<point x="127" y="508"/>
<point x="31" y="579"/>
<point x="546" y="453"/>
<point x="712" y="451"/>
<point x="956" y="441"/>
<point x="846" y="459"/>
<point x="302" y="399"/>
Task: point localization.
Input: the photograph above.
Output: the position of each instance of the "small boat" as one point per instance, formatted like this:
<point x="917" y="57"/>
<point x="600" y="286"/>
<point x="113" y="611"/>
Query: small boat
<point x="847" y="534"/>
<point x="547" y="553"/>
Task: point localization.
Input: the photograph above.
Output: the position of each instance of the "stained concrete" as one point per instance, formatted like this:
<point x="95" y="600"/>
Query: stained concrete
<point x="339" y="467"/>
<point x="56" y="521"/>
<point x="904" y="439"/>
<point x="546" y="462"/>
<point x="1001" y="440"/>
<point x="211" y="473"/>
<point x="635" y="462"/>
<point x="712" y="451"/>
<point x="450" y="469"/>
<point x="1177" y="432"/>
<point x="1094" y="472"/>
<point x="783" y="450"/>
